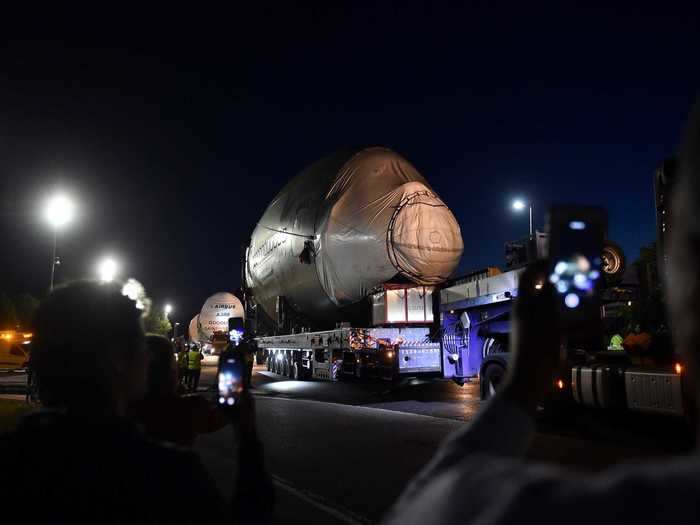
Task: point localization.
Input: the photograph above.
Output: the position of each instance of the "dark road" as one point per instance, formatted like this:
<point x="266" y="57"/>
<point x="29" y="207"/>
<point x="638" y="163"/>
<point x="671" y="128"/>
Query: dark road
<point x="342" y="452"/>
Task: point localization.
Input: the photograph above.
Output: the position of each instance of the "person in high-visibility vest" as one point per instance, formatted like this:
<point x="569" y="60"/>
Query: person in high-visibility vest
<point x="194" y="367"/>
<point x="182" y="364"/>
<point x="616" y="343"/>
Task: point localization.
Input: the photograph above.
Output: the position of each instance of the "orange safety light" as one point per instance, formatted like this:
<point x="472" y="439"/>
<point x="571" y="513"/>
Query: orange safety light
<point x="560" y="384"/>
<point x="678" y="368"/>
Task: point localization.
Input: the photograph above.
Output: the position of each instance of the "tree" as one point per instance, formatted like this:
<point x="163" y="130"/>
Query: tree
<point x="155" y="322"/>
<point x="26" y="304"/>
<point x="8" y="313"/>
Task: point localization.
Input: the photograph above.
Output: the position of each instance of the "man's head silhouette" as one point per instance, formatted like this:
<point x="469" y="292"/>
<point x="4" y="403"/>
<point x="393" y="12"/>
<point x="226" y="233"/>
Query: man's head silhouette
<point x="89" y="348"/>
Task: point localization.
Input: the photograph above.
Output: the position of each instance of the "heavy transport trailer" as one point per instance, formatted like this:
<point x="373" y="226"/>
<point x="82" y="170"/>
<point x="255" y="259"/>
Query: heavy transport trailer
<point x="475" y="316"/>
<point x="364" y="353"/>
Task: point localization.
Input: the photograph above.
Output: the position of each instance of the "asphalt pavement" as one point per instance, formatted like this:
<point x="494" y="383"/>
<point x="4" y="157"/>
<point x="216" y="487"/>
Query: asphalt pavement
<point x="347" y="461"/>
<point x="353" y="446"/>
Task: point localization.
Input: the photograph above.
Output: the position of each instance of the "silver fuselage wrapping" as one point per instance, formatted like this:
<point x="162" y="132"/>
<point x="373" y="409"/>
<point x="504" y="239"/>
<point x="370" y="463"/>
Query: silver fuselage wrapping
<point x="343" y="226"/>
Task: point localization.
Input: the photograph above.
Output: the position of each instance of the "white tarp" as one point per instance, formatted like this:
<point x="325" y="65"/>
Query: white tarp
<point x="216" y="312"/>
<point x="346" y="224"/>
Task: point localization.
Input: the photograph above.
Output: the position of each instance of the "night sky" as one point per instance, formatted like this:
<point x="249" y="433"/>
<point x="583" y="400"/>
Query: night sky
<point x="173" y="130"/>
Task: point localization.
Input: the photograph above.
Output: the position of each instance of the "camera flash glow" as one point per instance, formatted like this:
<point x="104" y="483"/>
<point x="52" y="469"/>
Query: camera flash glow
<point x="571" y="300"/>
<point x="560" y="268"/>
<point x="577" y="225"/>
<point x="580" y="281"/>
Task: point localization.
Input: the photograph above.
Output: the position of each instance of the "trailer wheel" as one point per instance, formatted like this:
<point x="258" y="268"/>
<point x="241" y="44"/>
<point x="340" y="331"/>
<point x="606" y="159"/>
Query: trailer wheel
<point x="491" y="380"/>
<point x="297" y="371"/>
<point x="269" y="364"/>
<point x="613" y="262"/>
<point x="285" y="366"/>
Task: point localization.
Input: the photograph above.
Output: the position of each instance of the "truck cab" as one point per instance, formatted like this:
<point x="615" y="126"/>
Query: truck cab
<point x="475" y="319"/>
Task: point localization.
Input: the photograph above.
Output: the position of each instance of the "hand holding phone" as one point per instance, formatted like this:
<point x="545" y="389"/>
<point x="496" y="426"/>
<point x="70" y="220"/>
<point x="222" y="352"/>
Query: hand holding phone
<point x="576" y="237"/>
<point x="230" y="378"/>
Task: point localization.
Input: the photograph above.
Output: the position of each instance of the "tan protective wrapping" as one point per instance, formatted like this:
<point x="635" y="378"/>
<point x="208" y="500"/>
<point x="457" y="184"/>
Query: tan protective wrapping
<point x="193" y="329"/>
<point x="359" y="219"/>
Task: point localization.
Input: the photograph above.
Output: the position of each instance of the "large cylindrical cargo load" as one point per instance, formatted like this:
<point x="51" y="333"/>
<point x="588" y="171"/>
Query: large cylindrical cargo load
<point x="216" y="312"/>
<point x="345" y="225"/>
<point x="193" y="329"/>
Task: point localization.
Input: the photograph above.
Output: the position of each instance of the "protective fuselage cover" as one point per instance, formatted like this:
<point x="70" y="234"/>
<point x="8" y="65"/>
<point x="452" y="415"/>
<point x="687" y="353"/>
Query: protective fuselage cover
<point x="345" y="225"/>
<point x="193" y="329"/>
<point x="216" y="312"/>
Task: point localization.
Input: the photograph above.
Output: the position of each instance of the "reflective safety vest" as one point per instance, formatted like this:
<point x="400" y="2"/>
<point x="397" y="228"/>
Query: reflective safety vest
<point x="616" y="342"/>
<point x="194" y="360"/>
<point x="182" y="359"/>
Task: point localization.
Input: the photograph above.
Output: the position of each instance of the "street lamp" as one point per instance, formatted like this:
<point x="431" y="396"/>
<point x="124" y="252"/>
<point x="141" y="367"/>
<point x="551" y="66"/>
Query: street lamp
<point x="175" y="330"/>
<point x="168" y="308"/>
<point x="107" y="269"/>
<point x="59" y="211"/>
<point x="519" y="205"/>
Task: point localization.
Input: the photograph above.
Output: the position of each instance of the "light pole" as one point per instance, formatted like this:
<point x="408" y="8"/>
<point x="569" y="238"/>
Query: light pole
<point x="107" y="269"/>
<point x="59" y="211"/>
<point x="519" y="205"/>
<point x="175" y="330"/>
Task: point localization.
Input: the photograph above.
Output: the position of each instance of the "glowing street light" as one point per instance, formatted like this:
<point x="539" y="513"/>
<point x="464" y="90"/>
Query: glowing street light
<point x="168" y="308"/>
<point x="520" y="205"/>
<point x="107" y="269"/>
<point x="58" y="212"/>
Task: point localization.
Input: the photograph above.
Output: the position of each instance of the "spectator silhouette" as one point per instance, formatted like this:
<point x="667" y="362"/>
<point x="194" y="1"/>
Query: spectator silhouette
<point x="81" y="459"/>
<point x="479" y="475"/>
<point x="165" y="415"/>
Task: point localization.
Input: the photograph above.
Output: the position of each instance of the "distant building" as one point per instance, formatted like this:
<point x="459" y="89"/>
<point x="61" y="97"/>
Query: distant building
<point x="663" y="185"/>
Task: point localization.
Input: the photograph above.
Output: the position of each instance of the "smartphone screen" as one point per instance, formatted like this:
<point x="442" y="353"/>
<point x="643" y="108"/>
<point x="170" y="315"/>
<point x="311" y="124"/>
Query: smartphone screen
<point x="576" y="237"/>
<point x="230" y="379"/>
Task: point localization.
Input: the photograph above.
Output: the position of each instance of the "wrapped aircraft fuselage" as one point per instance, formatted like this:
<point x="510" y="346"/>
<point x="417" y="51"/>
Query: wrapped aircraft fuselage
<point x="346" y="224"/>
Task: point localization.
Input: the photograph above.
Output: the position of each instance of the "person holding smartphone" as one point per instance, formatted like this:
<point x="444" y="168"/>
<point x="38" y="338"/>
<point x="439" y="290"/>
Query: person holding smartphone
<point x="255" y="494"/>
<point x="479" y="474"/>
<point x="164" y="414"/>
<point x="82" y="458"/>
